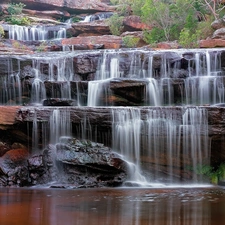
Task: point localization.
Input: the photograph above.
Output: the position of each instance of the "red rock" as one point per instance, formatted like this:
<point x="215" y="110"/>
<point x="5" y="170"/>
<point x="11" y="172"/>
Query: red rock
<point x="47" y="14"/>
<point x="109" y="41"/>
<point x="8" y="114"/>
<point x="15" y="155"/>
<point x="212" y="43"/>
<point x="68" y="5"/>
<point x="167" y="45"/>
<point x="133" y="23"/>
<point x="95" y="28"/>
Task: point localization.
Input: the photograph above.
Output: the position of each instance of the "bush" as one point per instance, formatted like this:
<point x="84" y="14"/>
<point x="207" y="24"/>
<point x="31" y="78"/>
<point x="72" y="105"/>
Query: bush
<point x="19" y="20"/>
<point x="188" y="39"/>
<point x="154" y="36"/>
<point x="115" y="23"/>
<point x="15" y="8"/>
<point x="204" y="29"/>
<point x="130" y="41"/>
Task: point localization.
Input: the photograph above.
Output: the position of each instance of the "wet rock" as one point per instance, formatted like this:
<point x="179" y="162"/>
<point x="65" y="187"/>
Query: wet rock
<point x="86" y="63"/>
<point x="89" y="164"/>
<point x="59" y="102"/>
<point x="13" y="167"/>
<point x="3" y="148"/>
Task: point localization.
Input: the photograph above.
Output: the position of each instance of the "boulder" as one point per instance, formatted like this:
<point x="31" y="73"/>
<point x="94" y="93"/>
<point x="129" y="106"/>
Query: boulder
<point x="90" y="164"/>
<point x="133" y="23"/>
<point x="217" y="24"/>
<point x="13" y="168"/>
<point x="219" y="34"/>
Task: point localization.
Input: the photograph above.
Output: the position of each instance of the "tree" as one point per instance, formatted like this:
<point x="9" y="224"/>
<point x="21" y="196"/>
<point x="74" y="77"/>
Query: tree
<point x="168" y="16"/>
<point x="213" y="6"/>
<point x="157" y="14"/>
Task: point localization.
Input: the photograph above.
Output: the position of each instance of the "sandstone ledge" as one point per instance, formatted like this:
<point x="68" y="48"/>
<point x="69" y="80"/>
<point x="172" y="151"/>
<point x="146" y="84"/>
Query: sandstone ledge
<point x="109" y="41"/>
<point x="212" y="43"/>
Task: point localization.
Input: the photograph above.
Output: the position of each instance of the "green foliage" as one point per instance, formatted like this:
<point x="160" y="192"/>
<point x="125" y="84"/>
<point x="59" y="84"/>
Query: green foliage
<point x="136" y="7"/>
<point x="188" y="39"/>
<point x="19" y="20"/>
<point x="204" y="29"/>
<point x="15" y="8"/>
<point x="115" y="23"/>
<point x="154" y="36"/>
<point x="215" y="174"/>
<point x="15" y="11"/>
<point x="2" y="32"/>
<point x="130" y="41"/>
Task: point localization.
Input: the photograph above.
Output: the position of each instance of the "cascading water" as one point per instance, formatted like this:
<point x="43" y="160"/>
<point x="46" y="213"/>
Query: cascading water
<point x="36" y="33"/>
<point x="97" y="16"/>
<point x="126" y="128"/>
<point x="166" y="144"/>
<point x="38" y="92"/>
<point x="59" y="125"/>
<point x="171" y="140"/>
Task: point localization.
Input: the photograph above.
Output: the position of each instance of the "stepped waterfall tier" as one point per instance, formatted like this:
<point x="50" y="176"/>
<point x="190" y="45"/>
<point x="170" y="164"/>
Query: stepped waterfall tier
<point x="160" y="113"/>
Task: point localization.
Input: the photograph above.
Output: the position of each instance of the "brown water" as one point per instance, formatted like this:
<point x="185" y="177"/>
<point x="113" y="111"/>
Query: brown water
<point x="183" y="206"/>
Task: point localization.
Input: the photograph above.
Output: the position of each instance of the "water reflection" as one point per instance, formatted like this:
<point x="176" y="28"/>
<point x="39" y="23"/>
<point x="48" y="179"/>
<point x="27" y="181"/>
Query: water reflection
<point x="112" y="207"/>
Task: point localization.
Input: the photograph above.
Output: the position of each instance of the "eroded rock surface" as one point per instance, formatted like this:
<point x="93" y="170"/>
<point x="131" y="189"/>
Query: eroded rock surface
<point x="69" y="163"/>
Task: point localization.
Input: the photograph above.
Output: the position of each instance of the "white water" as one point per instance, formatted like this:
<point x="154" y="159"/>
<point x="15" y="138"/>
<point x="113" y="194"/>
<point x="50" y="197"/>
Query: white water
<point x="35" y="33"/>
<point x="126" y="128"/>
<point x="170" y="139"/>
<point x="60" y="125"/>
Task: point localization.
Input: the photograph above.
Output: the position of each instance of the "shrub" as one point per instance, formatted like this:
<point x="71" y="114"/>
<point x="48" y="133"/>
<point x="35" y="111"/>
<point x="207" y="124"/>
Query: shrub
<point x="19" y="20"/>
<point x="188" y="39"/>
<point x="204" y="29"/>
<point x="15" y="8"/>
<point x="115" y="23"/>
<point x="130" y="41"/>
<point x="154" y="36"/>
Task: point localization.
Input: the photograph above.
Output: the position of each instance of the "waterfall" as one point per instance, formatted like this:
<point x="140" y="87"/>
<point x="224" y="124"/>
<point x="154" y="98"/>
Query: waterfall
<point x="97" y="16"/>
<point x="126" y="128"/>
<point x="195" y="141"/>
<point x="36" y="33"/>
<point x="178" y="139"/>
<point x="206" y="85"/>
<point x="11" y="90"/>
<point x="59" y="125"/>
<point x="38" y="92"/>
<point x="153" y="95"/>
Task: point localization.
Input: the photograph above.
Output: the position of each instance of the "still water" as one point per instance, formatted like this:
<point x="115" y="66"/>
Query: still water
<point x="125" y="206"/>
